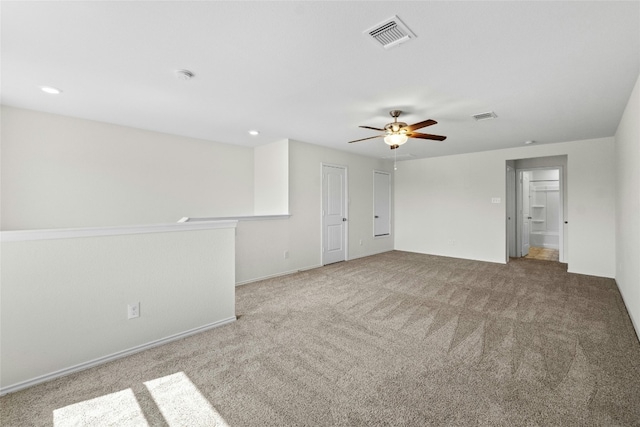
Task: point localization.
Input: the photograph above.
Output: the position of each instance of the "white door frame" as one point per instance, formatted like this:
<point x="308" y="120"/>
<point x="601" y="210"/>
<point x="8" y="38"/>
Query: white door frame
<point x="561" y="208"/>
<point x="346" y="210"/>
<point x="511" y="213"/>
<point x="520" y="225"/>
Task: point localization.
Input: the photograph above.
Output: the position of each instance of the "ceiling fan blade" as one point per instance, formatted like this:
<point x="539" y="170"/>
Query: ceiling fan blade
<point x="369" y="127"/>
<point x="426" y="136"/>
<point x="364" y="139"/>
<point x="420" y="125"/>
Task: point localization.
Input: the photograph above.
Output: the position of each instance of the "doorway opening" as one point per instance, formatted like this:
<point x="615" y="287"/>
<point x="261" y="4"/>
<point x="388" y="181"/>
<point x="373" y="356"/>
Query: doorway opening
<point x="535" y="209"/>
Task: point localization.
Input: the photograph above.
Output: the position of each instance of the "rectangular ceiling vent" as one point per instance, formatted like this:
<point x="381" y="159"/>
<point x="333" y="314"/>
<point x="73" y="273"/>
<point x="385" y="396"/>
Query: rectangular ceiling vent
<point x="390" y="32"/>
<point x="485" y="116"/>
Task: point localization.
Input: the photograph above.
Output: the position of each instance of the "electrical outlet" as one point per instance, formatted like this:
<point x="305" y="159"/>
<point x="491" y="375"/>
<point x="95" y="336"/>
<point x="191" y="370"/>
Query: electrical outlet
<point x="133" y="310"/>
<point x="286" y="254"/>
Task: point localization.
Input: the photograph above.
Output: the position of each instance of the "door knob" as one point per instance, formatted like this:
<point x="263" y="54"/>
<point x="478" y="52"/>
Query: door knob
<point x="376" y="216"/>
<point x="344" y="219"/>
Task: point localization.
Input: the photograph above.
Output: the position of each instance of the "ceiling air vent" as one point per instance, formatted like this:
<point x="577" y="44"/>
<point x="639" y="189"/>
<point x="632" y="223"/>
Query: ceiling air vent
<point x="485" y="116"/>
<point x="390" y="32"/>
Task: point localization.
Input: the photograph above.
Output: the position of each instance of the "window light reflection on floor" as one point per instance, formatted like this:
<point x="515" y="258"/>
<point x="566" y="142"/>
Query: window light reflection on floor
<point x="178" y="399"/>
<point x="119" y="409"/>
<point x="181" y="403"/>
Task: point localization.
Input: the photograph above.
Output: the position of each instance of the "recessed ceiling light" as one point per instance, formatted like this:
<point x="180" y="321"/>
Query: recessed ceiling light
<point x="531" y="141"/>
<point x="50" y="90"/>
<point x="254" y="133"/>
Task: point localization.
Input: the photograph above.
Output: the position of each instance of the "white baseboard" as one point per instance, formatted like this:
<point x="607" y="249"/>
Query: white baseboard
<point x="635" y="325"/>
<point x="370" y="254"/>
<point x="111" y="357"/>
<point x="271" y="276"/>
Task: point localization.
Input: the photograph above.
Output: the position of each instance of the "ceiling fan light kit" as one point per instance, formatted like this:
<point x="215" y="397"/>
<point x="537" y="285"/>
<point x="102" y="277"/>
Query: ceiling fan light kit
<point x="395" y="139"/>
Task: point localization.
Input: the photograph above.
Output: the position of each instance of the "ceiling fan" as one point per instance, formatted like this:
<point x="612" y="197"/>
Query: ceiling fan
<point x="396" y="133"/>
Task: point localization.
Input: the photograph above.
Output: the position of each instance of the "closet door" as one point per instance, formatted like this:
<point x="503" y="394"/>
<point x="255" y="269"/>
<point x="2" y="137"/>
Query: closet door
<point x="381" y="203"/>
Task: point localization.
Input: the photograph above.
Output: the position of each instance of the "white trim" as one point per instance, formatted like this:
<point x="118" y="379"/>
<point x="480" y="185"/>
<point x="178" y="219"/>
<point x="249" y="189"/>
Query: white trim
<point x="71" y="233"/>
<point x="511" y="201"/>
<point x="111" y="357"/>
<point x="238" y="218"/>
<point x="636" y="326"/>
<point x="271" y="276"/>
<point x="371" y="254"/>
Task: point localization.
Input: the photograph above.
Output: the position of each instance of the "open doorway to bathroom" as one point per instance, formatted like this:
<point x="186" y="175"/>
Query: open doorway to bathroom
<point x="536" y="205"/>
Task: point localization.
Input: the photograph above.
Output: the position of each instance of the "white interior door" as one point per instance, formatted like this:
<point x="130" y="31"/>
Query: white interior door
<point x="525" y="212"/>
<point x="334" y="214"/>
<point x="381" y="204"/>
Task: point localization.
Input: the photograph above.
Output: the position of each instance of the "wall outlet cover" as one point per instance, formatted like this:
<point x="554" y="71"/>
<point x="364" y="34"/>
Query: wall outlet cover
<point x="133" y="310"/>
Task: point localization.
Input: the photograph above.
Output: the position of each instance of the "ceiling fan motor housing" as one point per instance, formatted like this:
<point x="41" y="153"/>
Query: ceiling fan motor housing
<point x="396" y="127"/>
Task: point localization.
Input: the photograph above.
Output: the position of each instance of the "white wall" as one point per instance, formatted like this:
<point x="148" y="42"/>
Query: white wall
<point x="260" y="247"/>
<point x="61" y="172"/>
<point x="627" y="144"/>
<point x="64" y="301"/>
<point x="306" y="205"/>
<point x="545" y="175"/>
<point x="271" y="178"/>
<point x="445" y="199"/>
<point x="261" y="244"/>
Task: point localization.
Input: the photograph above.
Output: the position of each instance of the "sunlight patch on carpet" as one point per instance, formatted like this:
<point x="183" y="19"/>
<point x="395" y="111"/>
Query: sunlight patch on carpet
<point x="178" y="399"/>
<point x="119" y="408"/>
<point x="181" y="403"/>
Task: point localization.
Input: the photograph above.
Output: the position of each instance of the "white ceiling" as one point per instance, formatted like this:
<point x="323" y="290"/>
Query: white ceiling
<point x="552" y="71"/>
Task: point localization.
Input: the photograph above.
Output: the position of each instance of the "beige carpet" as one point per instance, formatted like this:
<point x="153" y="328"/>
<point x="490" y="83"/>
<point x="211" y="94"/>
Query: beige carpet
<point x="395" y="339"/>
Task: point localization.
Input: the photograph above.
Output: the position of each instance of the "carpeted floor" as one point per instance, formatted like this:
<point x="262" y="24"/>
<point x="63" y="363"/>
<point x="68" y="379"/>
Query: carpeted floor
<point x="395" y="339"/>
